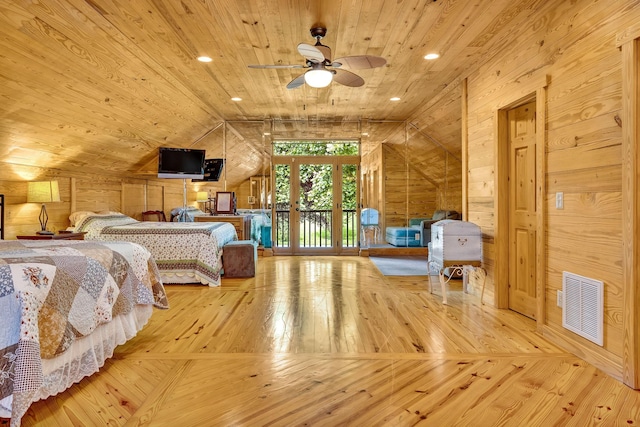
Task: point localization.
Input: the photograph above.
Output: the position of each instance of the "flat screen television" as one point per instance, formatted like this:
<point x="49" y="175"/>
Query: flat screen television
<point x="212" y="170"/>
<point x="183" y="163"/>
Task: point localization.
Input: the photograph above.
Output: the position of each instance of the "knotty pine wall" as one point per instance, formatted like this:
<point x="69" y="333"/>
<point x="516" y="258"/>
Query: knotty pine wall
<point x="571" y="45"/>
<point x="418" y="166"/>
<point x="372" y="184"/>
<point x="243" y="191"/>
<point x="404" y="191"/>
<point x="407" y="192"/>
<point x="95" y="193"/>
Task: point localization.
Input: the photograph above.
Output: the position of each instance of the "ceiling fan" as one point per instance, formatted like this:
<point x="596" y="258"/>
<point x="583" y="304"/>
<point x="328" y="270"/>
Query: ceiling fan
<point x="322" y="70"/>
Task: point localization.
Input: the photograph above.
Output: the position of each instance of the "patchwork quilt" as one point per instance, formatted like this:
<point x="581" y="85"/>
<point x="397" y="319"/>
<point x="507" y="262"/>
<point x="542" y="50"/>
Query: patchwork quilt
<point x="55" y="292"/>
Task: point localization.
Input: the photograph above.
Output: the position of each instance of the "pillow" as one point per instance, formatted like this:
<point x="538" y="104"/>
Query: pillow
<point x="93" y="224"/>
<point x="75" y="217"/>
<point x="185" y="215"/>
<point x="176" y="211"/>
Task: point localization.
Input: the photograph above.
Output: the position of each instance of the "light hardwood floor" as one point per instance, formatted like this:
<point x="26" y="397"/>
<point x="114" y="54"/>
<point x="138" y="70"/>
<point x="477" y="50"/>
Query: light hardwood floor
<point x="328" y="341"/>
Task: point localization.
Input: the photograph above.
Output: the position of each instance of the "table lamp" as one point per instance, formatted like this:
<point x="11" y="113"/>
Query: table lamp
<point x="203" y="197"/>
<point x="43" y="192"/>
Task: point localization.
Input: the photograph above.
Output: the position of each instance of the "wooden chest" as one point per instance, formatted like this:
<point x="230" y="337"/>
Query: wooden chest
<point x="455" y="242"/>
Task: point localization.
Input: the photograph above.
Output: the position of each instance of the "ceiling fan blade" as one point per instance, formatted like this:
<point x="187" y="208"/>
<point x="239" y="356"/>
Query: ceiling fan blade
<point x="325" y="50"/>
<point x="275" y="66"/>
<point x="311" y="53"/>
<point x="348" y="78"/>
<point x="296" y="83"/>
<point x="361" y="62"/>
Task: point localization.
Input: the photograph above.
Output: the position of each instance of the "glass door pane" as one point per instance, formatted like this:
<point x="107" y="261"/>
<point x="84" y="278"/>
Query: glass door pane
<point x="349" y="205"/>
<point x="282" y="238"/>
<point x="315" y="214"/>
<point x="316" y="209"/>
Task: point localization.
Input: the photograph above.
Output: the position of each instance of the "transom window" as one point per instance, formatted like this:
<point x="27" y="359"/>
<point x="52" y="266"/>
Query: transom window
<point x="316" y="148"/>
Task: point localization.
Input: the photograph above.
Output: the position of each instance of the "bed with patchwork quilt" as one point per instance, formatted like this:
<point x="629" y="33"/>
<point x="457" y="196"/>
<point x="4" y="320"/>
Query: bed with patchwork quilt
<point x="64" y="307"/>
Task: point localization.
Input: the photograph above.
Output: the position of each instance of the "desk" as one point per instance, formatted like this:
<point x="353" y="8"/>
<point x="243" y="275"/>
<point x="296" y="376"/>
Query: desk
<point x="59" y="236"/>
<point x="242" y="223"/>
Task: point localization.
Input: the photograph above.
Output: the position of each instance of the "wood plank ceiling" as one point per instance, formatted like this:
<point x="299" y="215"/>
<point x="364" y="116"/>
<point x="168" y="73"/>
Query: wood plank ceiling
<point x="98" y="85"/>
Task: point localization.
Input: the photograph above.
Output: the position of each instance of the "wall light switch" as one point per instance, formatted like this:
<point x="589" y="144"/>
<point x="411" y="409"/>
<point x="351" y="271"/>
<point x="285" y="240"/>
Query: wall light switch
<point x="560" y="200"/>
<point x="559" y="299"/>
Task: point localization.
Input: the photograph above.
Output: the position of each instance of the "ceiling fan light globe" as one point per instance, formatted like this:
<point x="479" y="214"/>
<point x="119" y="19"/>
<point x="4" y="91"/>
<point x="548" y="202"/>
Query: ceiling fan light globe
<point x="318" y="78"/>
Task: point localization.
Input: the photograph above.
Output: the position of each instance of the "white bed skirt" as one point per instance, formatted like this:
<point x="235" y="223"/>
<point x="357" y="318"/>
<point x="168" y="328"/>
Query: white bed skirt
<point x="185" y="278"/>
<point x="84" y="358"/>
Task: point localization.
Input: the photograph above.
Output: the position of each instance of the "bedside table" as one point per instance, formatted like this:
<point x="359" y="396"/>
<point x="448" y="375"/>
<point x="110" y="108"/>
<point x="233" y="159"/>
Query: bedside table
<point x="59" y="236"/>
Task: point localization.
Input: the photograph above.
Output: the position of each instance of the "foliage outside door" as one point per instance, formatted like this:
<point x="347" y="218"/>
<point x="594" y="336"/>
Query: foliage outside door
<point x="316" y="201"/>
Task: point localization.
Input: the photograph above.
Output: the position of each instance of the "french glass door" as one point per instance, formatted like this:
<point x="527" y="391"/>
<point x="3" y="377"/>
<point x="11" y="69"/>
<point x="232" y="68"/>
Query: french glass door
<point x="316" y="205"/>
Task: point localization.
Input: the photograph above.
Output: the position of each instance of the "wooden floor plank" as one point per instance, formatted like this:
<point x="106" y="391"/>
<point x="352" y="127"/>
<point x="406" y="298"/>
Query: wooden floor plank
<point x="328" y="341"/>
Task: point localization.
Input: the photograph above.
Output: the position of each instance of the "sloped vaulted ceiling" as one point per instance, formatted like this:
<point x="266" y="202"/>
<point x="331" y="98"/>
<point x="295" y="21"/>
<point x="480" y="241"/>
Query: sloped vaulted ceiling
<point x="99" y="85"/>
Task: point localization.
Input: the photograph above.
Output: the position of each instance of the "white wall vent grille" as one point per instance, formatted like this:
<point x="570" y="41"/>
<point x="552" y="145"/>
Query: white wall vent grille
<point x="582" y="306"/>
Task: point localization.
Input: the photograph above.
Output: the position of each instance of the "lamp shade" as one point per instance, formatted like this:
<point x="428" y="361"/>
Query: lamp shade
<point x="318" y="78"/>
<point x="202" y="196"/>
<point x="43" y="192"/>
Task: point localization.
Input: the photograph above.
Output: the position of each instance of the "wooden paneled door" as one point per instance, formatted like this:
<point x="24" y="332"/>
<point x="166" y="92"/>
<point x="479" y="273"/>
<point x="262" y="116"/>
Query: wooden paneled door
<point x="522" y="209"/>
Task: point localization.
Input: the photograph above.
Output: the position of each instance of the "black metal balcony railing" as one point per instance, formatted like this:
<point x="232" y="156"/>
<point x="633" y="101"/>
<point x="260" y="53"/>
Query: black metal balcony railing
<point x="350" y="229"/>
<point x="316" y="229"/>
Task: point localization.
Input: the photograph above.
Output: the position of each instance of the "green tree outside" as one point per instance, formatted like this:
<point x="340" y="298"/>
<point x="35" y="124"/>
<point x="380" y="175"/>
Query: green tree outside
<point x="316" y="186"/>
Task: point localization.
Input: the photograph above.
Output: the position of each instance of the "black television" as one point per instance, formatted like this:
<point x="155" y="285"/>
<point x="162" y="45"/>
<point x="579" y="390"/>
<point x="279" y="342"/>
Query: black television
<point x="212" y="170"/>
<point x="184" y="163"/>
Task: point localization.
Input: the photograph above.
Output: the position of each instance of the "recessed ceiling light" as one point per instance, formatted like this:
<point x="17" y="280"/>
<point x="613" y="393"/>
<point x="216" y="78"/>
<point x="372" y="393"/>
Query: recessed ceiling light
<point x="204" y="59"/>
<point x="394" y="99"/>
<point x="236" y="99"/>
<point x="431" y="56"/>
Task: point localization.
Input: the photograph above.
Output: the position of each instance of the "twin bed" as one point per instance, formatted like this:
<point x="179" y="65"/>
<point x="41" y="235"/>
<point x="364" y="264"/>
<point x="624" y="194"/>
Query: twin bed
<point x="66" y="304"/>
<point x="185" y="252"/>
<point x="260" y="218"/>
